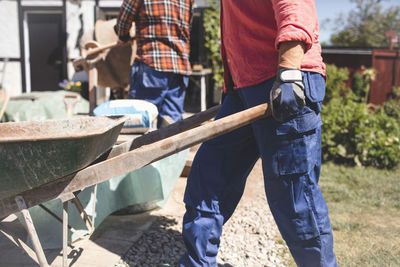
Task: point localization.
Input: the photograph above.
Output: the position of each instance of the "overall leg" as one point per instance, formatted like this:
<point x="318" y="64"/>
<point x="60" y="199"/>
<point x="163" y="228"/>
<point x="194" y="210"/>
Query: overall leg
<point x="174" y="98"/>
<point x="147" y="84"/>
<point x="214" y="187"/>
<point x="296" y="200"/>
<point x="291" y="158"/>
<point x="166" y="90"/>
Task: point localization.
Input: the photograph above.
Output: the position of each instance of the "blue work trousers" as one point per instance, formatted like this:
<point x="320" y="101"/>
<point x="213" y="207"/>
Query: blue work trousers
<point x="166" y="90"/>
<point x="291" y="161"/>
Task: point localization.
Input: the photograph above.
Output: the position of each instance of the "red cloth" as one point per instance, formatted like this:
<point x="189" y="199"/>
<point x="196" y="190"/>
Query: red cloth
<point x="162" y="32"/>
<point x="251" y="31"/>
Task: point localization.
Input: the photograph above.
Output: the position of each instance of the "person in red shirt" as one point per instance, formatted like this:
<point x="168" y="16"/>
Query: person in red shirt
<point x="271" y="53"/>
<point x="160" y="73"/>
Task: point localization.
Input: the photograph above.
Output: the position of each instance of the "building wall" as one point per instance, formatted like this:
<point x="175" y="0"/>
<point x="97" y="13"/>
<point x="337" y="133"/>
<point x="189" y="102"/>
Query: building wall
<point x="80" y="17"/>
<point x="10" y="46"/>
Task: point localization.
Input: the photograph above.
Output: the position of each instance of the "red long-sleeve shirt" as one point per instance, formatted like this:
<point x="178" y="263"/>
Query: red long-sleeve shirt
<point x="251" y="31"/>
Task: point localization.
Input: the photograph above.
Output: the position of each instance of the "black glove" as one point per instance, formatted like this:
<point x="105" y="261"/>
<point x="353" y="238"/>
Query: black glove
<point x="287" y="94"/>
<point x="124" y="38"/>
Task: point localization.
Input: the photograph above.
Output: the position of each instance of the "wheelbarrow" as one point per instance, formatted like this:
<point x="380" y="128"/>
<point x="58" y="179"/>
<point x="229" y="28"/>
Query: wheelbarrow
<point x="118" y="160"/>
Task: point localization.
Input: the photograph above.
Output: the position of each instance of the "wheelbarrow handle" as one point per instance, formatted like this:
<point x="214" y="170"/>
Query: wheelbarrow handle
<point x="100" y="49"/>
<point x="126" y="161"/>
<point x="78" y="63"/>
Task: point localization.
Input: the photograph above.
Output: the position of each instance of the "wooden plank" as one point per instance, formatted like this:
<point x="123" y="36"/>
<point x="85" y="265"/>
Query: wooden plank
<point x="163" y="133"/>
<point x="135" y="159"/>
<point x="92" y="89"/>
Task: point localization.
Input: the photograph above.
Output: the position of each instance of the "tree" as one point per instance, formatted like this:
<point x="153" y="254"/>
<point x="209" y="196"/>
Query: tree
<point x="366" y="25"/>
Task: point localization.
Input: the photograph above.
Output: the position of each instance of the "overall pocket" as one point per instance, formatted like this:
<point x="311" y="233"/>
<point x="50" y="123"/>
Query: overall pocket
<point x="295" y="142"/>
<point x="314" y="89"/>
<point x="153" y="78"/>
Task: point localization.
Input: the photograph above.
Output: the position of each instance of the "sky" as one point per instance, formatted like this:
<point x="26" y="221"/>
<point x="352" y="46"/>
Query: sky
<point x="330" y="9"/>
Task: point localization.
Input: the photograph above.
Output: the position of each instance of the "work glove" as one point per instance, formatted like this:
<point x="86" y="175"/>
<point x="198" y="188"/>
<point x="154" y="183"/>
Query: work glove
<point x="287" y="94"/>
<point x="122" y="39"/>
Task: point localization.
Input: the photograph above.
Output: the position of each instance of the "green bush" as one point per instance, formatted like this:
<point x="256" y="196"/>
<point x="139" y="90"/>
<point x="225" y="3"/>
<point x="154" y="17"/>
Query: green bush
<point x="361" y="84"/>
<point x="341" y="117"/>
<point x="392" y="106"/>
<point x="213" y="41"/>
<point x="378" y="141"/>
<point x="353" y="133"/>
<point x="336" y="82"/>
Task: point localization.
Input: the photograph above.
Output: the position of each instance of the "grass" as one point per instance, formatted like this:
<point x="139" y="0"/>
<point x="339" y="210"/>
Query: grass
<point x="364" y="208"/>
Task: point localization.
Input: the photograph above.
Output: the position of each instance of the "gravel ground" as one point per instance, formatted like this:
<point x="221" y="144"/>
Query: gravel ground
<point x="250" y="237"/>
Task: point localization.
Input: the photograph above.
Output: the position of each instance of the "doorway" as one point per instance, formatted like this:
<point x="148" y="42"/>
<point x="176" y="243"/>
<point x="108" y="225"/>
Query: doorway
<point x="45" y="50"/>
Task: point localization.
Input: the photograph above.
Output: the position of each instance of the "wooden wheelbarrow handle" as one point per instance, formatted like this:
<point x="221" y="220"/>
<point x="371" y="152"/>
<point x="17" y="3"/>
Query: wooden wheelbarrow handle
<point x="97" y="50"/>
<point x="78" y="63"/>
<point x="133" y="157"/>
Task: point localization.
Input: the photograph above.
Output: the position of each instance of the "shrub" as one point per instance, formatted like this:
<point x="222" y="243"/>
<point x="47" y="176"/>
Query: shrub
<point x="341" y="117"/>
<point x="355" y="134"/>
<point x="378" y="141"/>
<point x="361" y="83"/>
<point x="336" y="82"/>
<point x="213" y="41"/>
<point x="392" y="106"/>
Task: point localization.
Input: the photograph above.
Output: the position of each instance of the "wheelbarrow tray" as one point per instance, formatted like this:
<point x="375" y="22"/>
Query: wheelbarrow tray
<point x="33" y="153"/>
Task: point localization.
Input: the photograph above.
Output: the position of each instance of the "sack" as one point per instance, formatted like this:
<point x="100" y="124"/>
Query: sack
<point x="142" y="115"/>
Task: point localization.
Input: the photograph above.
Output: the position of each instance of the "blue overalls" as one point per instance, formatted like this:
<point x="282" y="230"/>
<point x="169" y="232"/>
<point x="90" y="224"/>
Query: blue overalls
<point x="166" y="90"/>
<point x="291" y="161"/>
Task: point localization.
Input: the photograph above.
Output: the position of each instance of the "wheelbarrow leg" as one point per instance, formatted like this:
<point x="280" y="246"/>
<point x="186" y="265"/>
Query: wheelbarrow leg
<point x="30" y="228"/>
<point x="94" y="204"/>
<point x="65" y="234"/>
<point x="85" y="217"/>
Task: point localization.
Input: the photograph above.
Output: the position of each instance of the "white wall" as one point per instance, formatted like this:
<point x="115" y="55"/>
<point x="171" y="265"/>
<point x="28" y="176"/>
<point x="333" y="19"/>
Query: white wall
<point x="9" y="46"/>
<point x="41" y="3"/>
<point x="12" y="78"/>
<point x="9" y="37"/>
<point x="75" y="24"/>
<point x="9" y="29"/>
<point x="110" y="3"/>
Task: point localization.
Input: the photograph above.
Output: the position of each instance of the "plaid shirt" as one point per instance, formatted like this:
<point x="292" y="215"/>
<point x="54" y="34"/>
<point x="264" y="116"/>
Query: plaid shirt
<point x="162" y="32"/>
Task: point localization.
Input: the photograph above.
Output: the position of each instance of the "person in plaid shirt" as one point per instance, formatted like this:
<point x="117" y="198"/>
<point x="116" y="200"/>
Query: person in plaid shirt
<point x="160" y="73"/>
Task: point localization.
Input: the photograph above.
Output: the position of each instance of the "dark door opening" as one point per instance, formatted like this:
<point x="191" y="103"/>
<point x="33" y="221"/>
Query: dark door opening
<point x="46" y="46"/>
